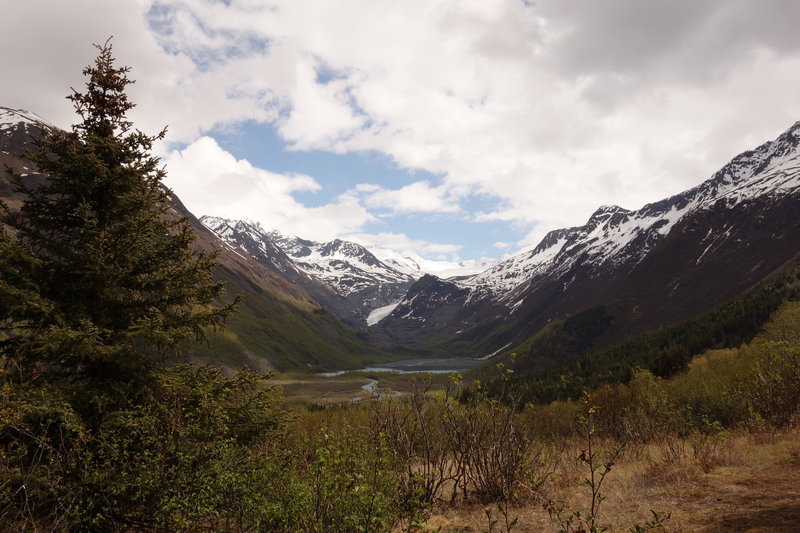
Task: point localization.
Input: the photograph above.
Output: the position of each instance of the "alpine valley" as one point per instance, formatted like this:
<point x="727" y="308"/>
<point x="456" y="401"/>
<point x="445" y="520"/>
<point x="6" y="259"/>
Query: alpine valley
<point x="336" y="305"/>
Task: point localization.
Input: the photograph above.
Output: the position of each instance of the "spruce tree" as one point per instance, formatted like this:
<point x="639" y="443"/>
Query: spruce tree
<point x="113" y="282"/>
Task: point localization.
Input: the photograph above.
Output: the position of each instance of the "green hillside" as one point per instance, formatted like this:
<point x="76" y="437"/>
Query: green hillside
<point x="274" y="331"/>
<point x="558" y="362"/>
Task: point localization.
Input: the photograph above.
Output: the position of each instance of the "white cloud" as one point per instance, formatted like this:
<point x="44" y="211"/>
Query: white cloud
<point x="413" y="198"/>
<point x="170" y="89"/>
<point x="321" y="114"/>
<point x="496" y="97"/>
<point x="405" y="245"/>
<point x="211" y="181"/>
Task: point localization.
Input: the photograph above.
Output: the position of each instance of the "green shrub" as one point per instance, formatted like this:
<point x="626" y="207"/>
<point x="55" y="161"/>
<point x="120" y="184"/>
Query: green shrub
<point x="348" y="484"/>
<point x="39" y="434"/>
<point x="198" y="454"/>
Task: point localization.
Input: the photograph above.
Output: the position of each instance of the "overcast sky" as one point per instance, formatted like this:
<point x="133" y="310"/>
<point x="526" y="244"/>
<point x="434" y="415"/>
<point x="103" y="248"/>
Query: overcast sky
<point x="454" y="129"/>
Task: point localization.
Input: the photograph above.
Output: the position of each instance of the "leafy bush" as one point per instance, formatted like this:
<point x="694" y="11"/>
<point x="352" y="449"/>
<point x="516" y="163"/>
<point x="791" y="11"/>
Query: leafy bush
<point x="198" y="454"/>
<point x="39" y="435"/>
<point x="348" y="483"/>
<point x="481" y="449"/>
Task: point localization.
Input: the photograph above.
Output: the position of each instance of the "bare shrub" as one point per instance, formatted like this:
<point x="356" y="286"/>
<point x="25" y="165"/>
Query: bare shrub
<point x="496" y="451"/>
<point x="597" y="458"/>
<point x="422" y="447"/>
<point x="480" y="450"/>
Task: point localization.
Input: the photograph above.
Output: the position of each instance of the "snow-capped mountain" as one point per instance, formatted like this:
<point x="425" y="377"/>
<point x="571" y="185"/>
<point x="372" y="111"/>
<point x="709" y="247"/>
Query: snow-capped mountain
<point x="346" y="266"/>
<point x="409" y="264"/>
<point x="249" y="236"/>
<point x="614" y="235"/>
<point x="661" y="263"/>
<point x="344" y="276"/>
<point x="17" y="128"/>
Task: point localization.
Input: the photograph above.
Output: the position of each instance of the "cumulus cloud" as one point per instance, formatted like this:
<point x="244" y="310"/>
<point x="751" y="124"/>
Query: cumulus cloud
<point x="214" y="182"/>
<point x="419" y="196"/>
<point x="552" y="109"/>
<point x="171" y="88"/>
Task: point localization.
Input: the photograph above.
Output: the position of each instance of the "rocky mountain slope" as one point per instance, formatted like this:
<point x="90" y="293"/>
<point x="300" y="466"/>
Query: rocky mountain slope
<point x="649" y="267"/>
<point x="279" y="325"/>
<point x="344" y="276"/>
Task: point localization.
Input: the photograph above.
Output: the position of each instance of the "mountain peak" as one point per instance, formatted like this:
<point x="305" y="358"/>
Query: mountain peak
<point x="608" y="216"/>
<point x="615" y="235"/>
<point x="609" y="208"/>
<point x="606" y="210"/>
<point x="360" y="281"/>
<point x="791" y="137"/>
<point x="794" y="130"/>
<point x="10" y="117"/>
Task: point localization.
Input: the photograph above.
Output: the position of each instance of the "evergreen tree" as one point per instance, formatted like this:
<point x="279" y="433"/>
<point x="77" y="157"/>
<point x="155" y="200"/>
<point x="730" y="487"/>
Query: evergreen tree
<point x="112" y="280"/>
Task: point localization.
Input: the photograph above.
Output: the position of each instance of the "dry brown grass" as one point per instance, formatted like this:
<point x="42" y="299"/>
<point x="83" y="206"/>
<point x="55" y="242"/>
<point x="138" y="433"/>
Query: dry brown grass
<point x="749" y="483"/>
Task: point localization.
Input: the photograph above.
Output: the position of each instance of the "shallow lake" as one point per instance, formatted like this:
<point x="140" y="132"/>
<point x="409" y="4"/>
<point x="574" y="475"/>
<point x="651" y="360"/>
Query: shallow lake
<point x="406" y="366"/>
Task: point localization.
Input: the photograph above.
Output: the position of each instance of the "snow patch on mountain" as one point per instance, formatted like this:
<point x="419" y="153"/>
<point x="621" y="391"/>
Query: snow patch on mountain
<point x="11" y="118"/>
<point x="249" y="236"/>
<point x="346" y="267"/>
<point x="417" y="266"/>
<point x="380" y="313"/>
<point x="514" y="271"/>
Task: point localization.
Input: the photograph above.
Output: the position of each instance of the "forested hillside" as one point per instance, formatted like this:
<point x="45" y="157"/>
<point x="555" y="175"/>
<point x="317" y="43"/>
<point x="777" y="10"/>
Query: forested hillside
<point x="558" y="363"/>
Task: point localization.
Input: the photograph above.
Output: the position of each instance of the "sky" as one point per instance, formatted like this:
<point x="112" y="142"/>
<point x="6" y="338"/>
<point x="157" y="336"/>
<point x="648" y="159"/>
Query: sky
<point x="450" y="129"/>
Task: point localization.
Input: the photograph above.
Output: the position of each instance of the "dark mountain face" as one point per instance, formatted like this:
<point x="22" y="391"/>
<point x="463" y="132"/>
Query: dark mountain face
<point x="279" y="325"/>
<point x="17" y="129"/>
<point x="648" y="268"/>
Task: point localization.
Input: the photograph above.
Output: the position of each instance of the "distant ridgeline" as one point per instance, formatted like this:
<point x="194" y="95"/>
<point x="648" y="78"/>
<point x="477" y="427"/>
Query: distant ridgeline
<point x="557" y="364"/>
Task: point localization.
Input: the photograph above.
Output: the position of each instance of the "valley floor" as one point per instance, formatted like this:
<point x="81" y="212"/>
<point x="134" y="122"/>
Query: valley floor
<point x="751" y="484"/>
<point x="352" y="387"/>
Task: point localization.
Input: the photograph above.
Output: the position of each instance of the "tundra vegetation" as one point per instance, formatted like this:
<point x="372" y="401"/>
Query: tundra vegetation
<point x="97" y="435"/>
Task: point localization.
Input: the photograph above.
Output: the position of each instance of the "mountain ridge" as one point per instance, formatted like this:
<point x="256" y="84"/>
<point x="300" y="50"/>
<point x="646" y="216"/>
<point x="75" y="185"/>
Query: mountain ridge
<point x="343" y="276"/>
<point x="621" y="257"/>
<point x="646" y="268"/>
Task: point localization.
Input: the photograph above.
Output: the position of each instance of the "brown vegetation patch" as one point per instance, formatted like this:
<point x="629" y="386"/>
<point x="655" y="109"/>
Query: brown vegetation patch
<point x="757" y="489"/>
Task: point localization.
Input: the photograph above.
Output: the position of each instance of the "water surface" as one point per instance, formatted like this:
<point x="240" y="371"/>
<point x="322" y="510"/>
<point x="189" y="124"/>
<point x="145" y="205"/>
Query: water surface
<point x="444" y="365"/>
